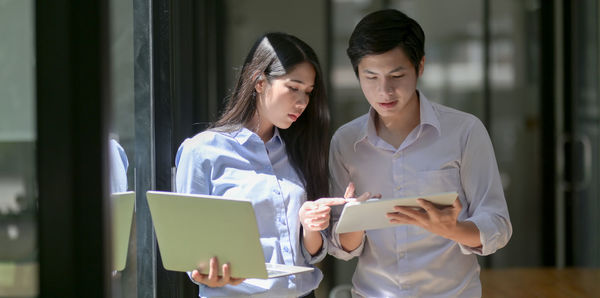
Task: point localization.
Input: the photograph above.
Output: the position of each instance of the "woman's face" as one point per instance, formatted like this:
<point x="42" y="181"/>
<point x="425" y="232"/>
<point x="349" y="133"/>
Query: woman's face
<point x="283" y="99"/>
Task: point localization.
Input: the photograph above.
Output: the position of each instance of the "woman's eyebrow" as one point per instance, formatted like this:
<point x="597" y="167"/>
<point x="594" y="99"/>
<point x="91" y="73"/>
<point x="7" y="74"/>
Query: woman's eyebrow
<point x="299" y="81"/>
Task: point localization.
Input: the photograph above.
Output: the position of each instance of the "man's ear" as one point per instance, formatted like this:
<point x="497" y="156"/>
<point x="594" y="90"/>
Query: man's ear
<point x="421" y="66"/>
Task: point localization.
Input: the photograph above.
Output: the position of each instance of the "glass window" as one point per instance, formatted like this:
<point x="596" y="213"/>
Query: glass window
<point x="18" y="191"/>
<point x="121" y="146"/>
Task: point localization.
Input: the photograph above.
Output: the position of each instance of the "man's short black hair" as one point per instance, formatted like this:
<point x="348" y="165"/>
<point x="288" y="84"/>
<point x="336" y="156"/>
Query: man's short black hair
<point x="384" y="30"/>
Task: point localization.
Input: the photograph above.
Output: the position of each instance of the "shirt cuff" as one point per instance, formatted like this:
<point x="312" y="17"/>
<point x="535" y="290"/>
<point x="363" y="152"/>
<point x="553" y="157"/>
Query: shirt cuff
<point x="489" y="235"/>
<point x="201" y="286"/>
<point x="310" y="259"/>
<point x="335" y="247"/>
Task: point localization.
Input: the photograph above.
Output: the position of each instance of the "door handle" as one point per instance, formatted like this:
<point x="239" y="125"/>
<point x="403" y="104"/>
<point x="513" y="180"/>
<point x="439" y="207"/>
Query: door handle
<point x="582" y="183"/>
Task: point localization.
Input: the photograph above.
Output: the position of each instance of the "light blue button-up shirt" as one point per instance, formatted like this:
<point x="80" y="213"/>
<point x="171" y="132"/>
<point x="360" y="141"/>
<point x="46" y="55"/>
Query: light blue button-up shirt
<point x="239" y="164"/>
<point x="448" y="151"/>
<point x="118" y="167"/>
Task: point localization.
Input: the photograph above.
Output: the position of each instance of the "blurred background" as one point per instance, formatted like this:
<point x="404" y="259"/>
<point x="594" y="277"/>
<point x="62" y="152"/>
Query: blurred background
<point x="529" y="69"/>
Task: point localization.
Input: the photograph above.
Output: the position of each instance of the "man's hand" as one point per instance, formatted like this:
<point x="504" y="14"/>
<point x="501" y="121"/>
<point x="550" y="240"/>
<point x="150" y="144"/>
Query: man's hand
<point x="441" y="221"/>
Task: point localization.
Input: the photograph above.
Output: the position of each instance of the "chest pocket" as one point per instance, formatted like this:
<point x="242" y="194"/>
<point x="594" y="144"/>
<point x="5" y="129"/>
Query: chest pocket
<point x="430" y="182"/>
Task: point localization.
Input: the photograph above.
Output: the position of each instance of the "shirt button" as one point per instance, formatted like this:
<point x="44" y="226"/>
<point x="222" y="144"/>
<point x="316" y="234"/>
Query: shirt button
<point x="286" y="249"/>
<point x="398" y="187"/>
<point x="401" y="255"/>
<point x="282" y="220"/>
<point x="276" y="191"/>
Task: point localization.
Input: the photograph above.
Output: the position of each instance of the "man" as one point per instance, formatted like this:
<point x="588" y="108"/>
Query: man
<point x="408" y="146"/>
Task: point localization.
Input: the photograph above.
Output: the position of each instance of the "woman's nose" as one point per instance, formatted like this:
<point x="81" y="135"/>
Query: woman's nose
<point x="303" y="100"/>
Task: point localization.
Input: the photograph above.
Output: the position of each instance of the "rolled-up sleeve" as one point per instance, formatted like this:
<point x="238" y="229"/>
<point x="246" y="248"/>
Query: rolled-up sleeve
<point x="483" y="190"/>
<point x="336" y="250"/>
<point x="318" y="257"/>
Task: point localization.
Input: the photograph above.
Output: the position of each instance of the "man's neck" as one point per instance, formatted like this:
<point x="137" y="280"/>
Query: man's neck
<point x="395" y="129"/>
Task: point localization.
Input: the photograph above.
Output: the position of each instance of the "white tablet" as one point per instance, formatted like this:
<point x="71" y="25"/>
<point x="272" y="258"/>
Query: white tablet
<point x="371" y="214"/>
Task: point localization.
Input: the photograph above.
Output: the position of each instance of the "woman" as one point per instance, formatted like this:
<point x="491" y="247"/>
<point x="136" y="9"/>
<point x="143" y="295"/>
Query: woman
<point x="271" y="146"/>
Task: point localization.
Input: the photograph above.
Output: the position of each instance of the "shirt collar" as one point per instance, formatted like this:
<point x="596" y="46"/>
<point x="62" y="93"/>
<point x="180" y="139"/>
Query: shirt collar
<point x="427" y="113"/>
<point x="243" y="135"/>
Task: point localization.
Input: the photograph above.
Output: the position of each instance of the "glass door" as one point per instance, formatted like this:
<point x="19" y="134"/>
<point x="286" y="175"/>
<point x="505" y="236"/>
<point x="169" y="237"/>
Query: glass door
<point x="18" y="189"/>
<point x="582" y="197"/>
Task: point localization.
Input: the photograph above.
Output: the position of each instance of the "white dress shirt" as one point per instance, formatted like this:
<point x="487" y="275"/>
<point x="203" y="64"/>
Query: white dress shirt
<point x="240" y="165"/>
<point x="448" y="151"/>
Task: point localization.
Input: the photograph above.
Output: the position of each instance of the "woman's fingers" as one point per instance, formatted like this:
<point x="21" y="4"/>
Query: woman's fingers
<point x="225" y="279"/>
<point x="236" y="281"/>
<point x="198" y="277"/>
<point x="213" y="279"/>
<point x="213" y="273"/>
<point x="330" y="202"/>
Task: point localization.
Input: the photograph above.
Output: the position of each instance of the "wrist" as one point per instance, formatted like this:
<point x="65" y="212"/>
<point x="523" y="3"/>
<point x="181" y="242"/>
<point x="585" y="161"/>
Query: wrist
<point x="352" y="240"/>
<point x="310" y="234"/>
<point x="465" y="233"/>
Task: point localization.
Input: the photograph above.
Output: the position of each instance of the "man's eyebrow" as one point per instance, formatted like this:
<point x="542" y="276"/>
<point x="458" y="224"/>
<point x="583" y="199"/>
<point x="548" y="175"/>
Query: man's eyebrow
<point x="399" y="68"/>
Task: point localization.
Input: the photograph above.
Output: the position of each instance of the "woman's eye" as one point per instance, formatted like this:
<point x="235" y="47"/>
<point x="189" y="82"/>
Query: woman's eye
<point x="293" y="88"/>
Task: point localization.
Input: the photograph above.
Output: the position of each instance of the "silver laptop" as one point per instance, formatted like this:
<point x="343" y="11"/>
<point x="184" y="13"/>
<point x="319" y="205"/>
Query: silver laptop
<point x="191" y="229"/>
<point x="122" y="205"/>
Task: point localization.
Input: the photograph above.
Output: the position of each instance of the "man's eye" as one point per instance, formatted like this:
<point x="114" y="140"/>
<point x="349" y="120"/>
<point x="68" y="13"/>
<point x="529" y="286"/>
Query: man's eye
<point x="371" y="78"/>
<point x="397" y="76"/>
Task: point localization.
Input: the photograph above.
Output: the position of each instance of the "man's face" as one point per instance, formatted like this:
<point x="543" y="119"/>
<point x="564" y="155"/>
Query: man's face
<point x="389" y="81"/>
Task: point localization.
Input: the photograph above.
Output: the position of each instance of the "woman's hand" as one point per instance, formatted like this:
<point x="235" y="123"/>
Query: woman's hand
<point x="213" y="279"/>
<point x="314" y="215"/>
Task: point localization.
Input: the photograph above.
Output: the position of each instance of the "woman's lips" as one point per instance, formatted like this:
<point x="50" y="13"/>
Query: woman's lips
<point x="293" y="117"/>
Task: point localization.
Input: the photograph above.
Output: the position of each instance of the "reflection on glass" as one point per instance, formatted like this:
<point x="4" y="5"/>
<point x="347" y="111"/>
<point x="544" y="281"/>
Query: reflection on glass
<point x="122" y="204"/>
<point x="121" y="149"/>
<point x="118" y="167"/>
<point x="18" y="191"/>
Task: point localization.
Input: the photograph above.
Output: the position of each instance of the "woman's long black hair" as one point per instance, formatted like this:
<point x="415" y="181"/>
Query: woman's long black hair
<point x="306" y="140"/>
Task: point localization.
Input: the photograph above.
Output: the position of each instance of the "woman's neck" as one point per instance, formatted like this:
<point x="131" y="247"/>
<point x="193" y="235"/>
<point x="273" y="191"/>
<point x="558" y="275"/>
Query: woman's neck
<point x="261" y="127"/>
